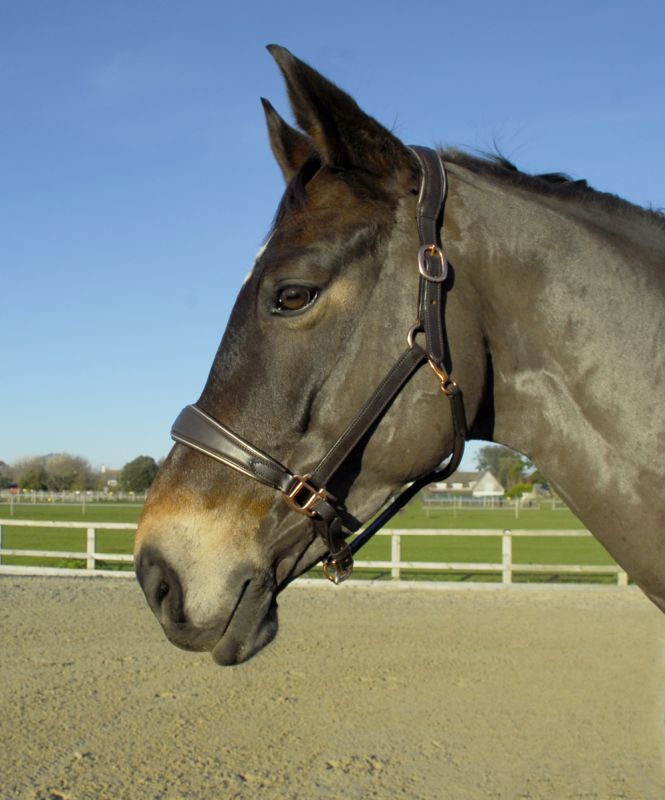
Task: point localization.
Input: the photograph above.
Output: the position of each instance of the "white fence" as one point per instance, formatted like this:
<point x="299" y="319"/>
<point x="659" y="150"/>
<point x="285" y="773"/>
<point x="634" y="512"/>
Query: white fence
<point x="31" y="497"/>
<point x="90" y="553"/>
<point x="506" y="567"/>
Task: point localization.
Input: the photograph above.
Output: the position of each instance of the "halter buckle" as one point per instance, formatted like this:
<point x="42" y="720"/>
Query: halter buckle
<point x="338" y="567"/>
<point x="432" y="250"/>
<point x="304" y="506"/>
<point x="448" y="385"/>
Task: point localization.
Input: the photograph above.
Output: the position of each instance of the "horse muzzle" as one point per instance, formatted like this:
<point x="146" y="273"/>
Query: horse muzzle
<point x="245" y="622"/>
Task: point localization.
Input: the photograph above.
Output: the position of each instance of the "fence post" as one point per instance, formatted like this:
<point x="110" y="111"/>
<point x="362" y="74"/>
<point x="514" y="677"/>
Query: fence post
<point x="507" y="557"/>
<point x="622" y="578"/>
<point x="90" y="549"/>
<point x="395" y="555"/>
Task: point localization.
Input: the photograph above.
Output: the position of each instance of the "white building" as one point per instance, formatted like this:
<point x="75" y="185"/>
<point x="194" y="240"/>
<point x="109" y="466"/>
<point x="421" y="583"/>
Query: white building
<point x="475" y="484"/>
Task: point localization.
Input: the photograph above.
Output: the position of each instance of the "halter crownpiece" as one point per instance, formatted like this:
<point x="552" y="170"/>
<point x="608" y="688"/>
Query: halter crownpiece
<point x="306" y="494"/>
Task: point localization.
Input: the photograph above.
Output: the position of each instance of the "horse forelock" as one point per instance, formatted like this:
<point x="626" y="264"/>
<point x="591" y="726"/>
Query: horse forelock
<point x="363" y="185"/>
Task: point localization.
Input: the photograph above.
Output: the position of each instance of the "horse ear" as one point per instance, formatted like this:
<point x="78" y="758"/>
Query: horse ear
<point x="343" y="134"/>
<point x="290" y="147"/>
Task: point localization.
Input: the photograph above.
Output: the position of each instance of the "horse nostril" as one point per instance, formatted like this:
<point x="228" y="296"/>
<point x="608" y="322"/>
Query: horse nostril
<point x="161" y="586"/>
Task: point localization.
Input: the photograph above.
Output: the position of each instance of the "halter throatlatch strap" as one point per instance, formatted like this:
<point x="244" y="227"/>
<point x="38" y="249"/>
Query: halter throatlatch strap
<point x="307" y="494"/>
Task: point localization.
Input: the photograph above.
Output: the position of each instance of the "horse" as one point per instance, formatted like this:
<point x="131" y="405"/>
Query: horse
<point x="552" y="316"/>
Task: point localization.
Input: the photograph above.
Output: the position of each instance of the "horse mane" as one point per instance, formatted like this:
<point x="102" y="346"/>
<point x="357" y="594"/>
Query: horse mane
<point x="495" y="165"/>
<point x="556" y="184"/>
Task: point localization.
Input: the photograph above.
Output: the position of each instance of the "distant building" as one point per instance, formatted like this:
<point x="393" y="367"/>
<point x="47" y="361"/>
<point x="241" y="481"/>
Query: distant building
<point x="473" y="484"/>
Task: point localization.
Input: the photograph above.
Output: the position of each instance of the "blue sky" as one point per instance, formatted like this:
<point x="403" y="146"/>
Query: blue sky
<point x="137" y="182"/>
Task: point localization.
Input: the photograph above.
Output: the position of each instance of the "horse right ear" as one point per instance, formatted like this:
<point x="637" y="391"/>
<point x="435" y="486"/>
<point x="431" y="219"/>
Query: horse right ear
<point x="290" y="147"/>
<point x="341" y="132"/>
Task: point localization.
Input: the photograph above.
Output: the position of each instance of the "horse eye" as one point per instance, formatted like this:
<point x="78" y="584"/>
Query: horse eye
<point x="294" y="298"/>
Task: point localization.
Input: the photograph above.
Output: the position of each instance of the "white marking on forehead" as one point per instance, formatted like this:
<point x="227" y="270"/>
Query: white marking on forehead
<point x="256" y="259"/>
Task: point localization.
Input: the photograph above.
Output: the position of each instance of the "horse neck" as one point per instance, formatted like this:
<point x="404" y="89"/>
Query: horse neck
<point x="573" y="326"/>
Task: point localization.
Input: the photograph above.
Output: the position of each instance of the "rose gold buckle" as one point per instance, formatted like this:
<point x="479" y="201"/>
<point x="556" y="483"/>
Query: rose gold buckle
<point x="294" y="501"/>
<point x="448" y="385"/>
<point x="432" y="250"/>
<point x="339" y="568"/>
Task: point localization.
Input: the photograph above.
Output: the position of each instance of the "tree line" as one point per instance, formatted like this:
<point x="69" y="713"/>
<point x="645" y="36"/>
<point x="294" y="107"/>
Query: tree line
<point x="62" y="472"/>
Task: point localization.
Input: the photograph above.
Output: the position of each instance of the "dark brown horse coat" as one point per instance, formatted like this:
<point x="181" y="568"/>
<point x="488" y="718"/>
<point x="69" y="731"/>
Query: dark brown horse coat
<point x="555" y="321"/>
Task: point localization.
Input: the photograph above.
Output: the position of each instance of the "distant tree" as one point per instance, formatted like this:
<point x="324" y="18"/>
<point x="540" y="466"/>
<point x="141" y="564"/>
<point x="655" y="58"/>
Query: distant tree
<point x="537" y="477"/>
<point x="138" y="474"/>
<point x="6" y="477"/>
<point x="56" y="472"/>
<point x="33" y="479"/>
<point x="67" y="473"/>
<point x="508" y="466"/>
<point x="518" y="490"/>
<point x="30" y="473"/>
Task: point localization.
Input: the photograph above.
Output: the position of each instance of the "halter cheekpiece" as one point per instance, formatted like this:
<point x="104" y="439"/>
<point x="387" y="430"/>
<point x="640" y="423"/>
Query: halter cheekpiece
<point x="306" y="493"/>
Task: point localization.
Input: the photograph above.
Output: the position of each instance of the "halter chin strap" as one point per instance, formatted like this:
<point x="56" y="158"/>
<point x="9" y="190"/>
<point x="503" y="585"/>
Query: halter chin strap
<point x="306" y="493"/>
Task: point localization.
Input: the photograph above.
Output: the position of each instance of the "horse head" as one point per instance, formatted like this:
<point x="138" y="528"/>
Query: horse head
<point x="321" y="317"/>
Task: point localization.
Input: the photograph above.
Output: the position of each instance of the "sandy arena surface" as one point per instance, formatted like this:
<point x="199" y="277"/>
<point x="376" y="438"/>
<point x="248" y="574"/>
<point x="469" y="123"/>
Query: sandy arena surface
<point x="366" y="693"/>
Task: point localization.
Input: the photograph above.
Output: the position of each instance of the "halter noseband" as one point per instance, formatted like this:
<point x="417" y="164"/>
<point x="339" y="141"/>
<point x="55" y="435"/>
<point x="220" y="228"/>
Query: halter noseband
<point x="306" y="493"/>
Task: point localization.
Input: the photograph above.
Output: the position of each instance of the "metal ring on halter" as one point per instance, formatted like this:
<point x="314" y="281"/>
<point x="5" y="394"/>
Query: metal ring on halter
<point x="432" y="250"/>
<point x="411" y="335"/>
<point x="338" y="568"/>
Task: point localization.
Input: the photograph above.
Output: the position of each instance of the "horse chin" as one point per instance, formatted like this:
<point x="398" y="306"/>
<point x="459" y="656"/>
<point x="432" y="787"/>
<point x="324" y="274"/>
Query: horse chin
<point x="240" y="641"/>
<point x="234" y="636"/>
<point x="243" y="637"/>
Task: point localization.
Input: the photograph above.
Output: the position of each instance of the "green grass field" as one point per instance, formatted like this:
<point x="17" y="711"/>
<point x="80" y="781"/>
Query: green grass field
<point x="67" y="539"/>
<point x="462" y="549"/>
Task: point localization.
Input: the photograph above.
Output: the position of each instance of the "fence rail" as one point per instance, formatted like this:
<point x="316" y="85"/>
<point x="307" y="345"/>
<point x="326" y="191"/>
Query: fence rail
<point x="32" y="497"/>
<point x="90" y="554"/>
<point x="506" y="567"/>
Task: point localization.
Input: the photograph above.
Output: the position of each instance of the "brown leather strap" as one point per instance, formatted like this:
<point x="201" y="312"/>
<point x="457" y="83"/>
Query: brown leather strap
<point x="433" y="266"/>
<point x="410" y="360"/>
<point x="202" y="432"/>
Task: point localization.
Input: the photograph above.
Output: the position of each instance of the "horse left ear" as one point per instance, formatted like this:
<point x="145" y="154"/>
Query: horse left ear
<point x="290" y="147"/>
<point x="343" y="134"/>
